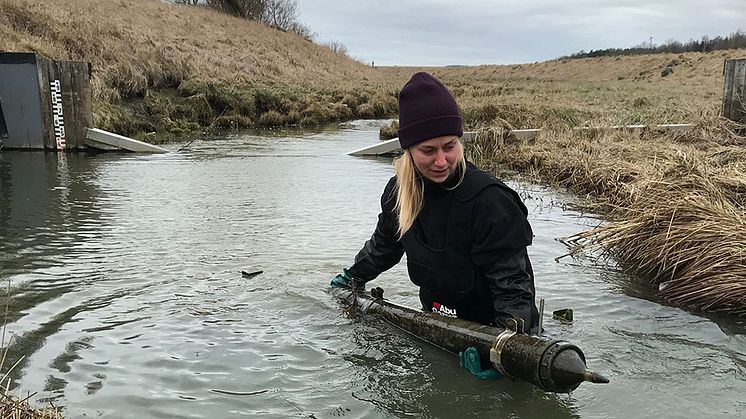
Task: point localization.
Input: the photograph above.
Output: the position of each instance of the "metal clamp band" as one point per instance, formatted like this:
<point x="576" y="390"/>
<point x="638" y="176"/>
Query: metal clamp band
<point x="513" y="327"/>
<point x="497" y="347"/>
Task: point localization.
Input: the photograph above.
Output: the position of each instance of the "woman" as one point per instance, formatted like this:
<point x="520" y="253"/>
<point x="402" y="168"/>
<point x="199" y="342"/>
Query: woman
<point x="465" y="233"/>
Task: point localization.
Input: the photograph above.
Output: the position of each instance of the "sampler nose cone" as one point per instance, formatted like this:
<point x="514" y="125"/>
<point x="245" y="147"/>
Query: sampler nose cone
<point x="569" y="371"/>
<point x="595" y="377"/>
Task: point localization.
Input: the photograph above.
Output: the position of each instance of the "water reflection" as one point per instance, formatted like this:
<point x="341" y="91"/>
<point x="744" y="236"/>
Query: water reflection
<point x="50" y="215"/>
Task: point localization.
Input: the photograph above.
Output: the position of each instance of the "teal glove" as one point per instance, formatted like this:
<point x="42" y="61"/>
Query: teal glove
<point x="469" y="359"/>
<point x="344" y="280"/>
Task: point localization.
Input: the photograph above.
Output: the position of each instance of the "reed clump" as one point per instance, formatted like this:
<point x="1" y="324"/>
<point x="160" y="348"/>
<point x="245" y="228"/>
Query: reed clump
<point x="12" y="407"/>
<point x="676" y="201"/>
<point x="389" y="131"/>
<point x="687" y="240"/>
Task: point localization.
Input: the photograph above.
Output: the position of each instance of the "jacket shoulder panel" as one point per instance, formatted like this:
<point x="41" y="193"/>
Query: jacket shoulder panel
<point x="474" y="182"/>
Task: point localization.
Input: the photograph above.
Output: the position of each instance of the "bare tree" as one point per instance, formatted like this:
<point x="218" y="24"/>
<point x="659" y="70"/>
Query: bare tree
<point x="280" y="14"/>
<point x="248" y="9"/>
<point x="303" y="30"/>
<point x="337" y="47"/>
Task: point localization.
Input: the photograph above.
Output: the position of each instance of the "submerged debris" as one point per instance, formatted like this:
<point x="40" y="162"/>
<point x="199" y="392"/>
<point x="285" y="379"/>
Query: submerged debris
<point x="250" y="272"/>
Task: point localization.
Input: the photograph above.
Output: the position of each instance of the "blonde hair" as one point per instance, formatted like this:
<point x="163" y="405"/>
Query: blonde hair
<point x="410" y="193"/>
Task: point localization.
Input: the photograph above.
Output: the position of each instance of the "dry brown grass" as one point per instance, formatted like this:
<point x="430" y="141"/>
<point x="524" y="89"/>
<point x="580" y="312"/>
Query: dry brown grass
<point x="145" y="51"/>
<point x="687" y="239"/>
<point x="676" y="201"/>
<point x="119" y="37"/>
<point x="12" y="407"/>
<point x="586" y="92"/>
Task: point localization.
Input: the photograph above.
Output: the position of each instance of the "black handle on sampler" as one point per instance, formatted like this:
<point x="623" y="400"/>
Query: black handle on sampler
<point x="377" y="293"/>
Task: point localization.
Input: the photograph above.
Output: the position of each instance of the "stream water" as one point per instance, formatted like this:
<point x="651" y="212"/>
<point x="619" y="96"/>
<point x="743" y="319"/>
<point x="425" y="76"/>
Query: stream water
<point x="125" y="299"/>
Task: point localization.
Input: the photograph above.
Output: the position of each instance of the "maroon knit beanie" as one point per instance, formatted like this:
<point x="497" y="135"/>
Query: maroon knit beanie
<point x="426" y="110"/>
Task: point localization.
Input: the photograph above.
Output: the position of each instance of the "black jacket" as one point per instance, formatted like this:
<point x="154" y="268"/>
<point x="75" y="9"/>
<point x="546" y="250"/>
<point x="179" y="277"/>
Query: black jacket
<point x="466" y="250"/>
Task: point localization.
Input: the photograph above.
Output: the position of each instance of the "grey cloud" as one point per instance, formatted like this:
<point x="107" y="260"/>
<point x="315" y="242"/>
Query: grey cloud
<point x="440" y="32"/>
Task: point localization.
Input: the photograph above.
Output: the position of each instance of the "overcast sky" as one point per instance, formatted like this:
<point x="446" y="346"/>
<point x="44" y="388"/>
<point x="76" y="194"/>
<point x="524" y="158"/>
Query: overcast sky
<point x="470" y="32"/>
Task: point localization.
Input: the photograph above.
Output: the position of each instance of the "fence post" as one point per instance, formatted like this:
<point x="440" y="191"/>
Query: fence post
<point x="734" y="91"/>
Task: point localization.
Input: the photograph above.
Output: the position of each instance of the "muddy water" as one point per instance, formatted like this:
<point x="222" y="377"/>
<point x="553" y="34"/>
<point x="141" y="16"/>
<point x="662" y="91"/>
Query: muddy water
<point x="126" y="299"/>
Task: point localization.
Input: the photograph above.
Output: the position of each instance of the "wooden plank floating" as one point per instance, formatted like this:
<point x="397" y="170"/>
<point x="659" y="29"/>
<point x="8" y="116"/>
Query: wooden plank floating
<point x="382" y="147"/>
<point x="105" y="140"/>
<point x="392" y="145"/>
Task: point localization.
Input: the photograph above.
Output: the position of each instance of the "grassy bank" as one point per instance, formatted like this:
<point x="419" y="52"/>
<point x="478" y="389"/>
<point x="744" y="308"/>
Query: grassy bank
<point x="588" y="92"/>
<point x="164" y="68"/>
<point x="676" y="202"/>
